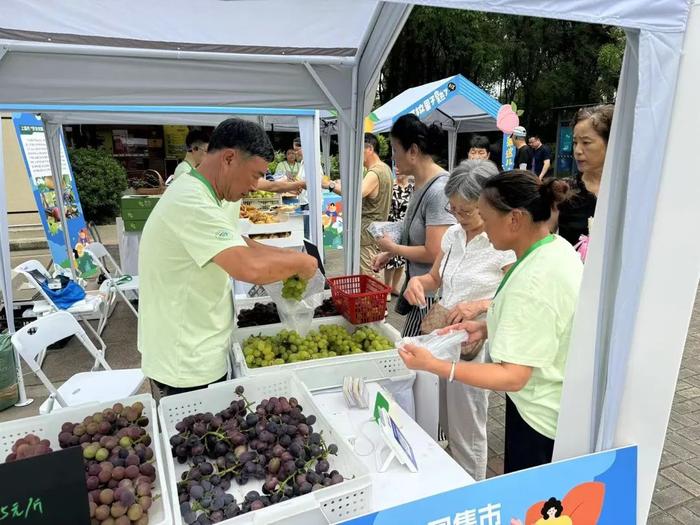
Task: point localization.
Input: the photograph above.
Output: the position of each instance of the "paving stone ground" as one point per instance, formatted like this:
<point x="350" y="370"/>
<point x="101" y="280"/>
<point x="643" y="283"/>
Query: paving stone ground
<point x="677" y="493"/>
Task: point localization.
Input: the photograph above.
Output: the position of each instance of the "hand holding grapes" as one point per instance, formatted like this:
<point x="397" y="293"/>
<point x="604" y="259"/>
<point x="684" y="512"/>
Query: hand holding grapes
<point x="309" y="269"/>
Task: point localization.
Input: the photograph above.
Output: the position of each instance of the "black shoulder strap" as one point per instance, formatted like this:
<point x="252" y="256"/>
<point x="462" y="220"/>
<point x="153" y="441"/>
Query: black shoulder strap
<point x="409" y="220"/>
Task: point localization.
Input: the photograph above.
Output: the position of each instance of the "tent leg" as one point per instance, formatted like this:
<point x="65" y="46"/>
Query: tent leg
<point x="53" y="134"/>
<point x="6" y="275"/>
<point x="23" y="399"/>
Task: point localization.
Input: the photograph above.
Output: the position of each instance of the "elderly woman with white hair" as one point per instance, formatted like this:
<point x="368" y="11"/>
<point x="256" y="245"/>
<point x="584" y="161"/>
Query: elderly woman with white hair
<point x="468" y="270"/>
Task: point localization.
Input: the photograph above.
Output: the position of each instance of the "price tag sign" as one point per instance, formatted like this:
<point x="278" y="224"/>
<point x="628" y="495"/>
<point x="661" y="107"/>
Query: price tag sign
<point x="45" y="490"/>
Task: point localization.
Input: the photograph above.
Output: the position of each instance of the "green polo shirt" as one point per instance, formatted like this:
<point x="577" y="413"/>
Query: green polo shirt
<point x="185" y="306"/>
<point x="529" y="323"/>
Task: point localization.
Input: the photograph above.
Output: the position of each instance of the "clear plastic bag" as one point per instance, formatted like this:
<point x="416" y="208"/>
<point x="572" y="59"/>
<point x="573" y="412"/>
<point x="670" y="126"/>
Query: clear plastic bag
<point x="392" y="229"/>
<point x="447" y="346"/>
<point x="297" y="315"/>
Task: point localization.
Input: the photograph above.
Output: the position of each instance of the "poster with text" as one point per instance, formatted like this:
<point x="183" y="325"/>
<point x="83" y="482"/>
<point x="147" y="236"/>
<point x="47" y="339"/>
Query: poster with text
<point x="32" y="142"/>
<point x="597" y="489"/>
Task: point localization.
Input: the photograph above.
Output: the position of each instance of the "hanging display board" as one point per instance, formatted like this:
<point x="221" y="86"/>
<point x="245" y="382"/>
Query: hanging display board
<point x="598" y="488"/>
<point x="32" y="142"/>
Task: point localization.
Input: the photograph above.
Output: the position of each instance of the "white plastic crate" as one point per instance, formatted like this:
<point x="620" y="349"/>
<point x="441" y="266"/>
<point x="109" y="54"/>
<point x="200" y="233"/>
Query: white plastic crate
<point x="48" y="426"/>
<point x="339" y="502"/>
<point x="389" y="359"/>
<point x="246" y="303"/>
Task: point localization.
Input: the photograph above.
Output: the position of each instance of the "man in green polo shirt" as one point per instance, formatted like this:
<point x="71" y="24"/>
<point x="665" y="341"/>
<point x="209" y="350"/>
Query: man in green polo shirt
<point x="190" y="246"/>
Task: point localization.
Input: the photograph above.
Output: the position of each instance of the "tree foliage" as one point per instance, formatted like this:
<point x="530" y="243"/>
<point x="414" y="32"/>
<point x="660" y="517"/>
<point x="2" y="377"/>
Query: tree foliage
<point x="539" y="63"/>
<point x="100" y="180"/>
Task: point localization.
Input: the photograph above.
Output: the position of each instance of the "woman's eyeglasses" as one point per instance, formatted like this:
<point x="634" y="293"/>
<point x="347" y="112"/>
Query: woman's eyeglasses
<point x="461" y="213"/>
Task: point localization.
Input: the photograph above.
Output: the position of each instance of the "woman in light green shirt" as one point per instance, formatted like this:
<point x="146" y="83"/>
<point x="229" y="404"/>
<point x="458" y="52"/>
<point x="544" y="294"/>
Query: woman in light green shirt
<point x="528" y="324"/>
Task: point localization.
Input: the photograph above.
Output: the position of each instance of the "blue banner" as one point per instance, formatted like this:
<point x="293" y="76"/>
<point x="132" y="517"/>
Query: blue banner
<point x="508" y="157"/>
<point x="595" y="489"/>
<point x="430" y="102"/>
<point x="32" y="142"/>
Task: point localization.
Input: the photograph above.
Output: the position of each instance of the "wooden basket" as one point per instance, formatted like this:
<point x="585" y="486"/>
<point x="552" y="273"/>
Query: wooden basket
<point x="150" y="178"/>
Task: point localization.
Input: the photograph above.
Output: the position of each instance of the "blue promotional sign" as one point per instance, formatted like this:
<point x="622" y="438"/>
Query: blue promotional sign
<point x="438" y="97"/>
<point x="32" y="142"/>
<point x="595" y="489"/>
<point x="565" y="154"/>
<point x="508" y="157"/>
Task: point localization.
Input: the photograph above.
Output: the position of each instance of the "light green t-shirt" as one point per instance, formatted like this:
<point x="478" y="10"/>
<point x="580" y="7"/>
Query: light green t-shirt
<point x="182" y="169"/>
<point x="185" y="306"/>
<point x="529" y="323"/>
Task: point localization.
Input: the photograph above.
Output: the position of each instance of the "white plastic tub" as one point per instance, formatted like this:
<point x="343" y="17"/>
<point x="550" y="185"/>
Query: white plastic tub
<point x="336" y="503"/>
<point x="392" y="362"/>
<point x="48" y="426"/>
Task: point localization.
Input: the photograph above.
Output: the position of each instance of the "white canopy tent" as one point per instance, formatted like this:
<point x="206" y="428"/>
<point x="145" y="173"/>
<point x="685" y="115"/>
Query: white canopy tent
<point x="100" y="52"/>
<point x="454" y="103"/>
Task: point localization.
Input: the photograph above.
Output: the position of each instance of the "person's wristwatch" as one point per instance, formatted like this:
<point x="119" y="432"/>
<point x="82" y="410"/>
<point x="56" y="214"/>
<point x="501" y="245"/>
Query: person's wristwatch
<point x="331" y="186"/>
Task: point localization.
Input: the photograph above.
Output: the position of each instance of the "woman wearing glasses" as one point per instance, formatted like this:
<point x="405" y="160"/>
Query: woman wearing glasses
<point x="529" y="321"/>
<point x="469" y="269"/>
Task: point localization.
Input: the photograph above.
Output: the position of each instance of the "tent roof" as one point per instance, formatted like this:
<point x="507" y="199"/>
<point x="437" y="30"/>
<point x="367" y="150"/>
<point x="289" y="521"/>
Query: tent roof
<point x="243" y="26"/>
<point x="221" y="53"/>
<point x="453" y="102"/>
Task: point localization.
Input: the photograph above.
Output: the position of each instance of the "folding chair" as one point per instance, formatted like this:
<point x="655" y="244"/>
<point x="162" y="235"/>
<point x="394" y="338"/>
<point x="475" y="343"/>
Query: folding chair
<point x="92" y="305"/>
<point x="31" y="342"/>
<point x="116" y="284"/>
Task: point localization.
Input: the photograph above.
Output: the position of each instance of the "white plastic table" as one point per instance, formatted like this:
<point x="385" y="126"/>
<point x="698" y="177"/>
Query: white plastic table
<point x="437" y="471"/>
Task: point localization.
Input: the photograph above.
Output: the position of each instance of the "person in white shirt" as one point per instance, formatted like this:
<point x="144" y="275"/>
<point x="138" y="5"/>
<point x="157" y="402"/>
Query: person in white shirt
<point x="197" y="142"/>
<point x="469" y="270"/>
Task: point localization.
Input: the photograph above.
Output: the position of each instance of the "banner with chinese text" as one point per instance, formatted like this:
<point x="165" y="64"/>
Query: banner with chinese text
<point x="32" y="142"/>
<point x="597" y="489"/>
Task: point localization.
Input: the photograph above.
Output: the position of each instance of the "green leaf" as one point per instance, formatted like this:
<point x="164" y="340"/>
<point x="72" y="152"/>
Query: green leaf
<point x="520" y="112"/>
<point x="514" y="106"/>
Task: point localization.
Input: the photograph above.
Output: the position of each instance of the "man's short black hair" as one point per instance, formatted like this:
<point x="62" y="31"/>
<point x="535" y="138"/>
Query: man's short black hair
<point x="535" y="136"/>
<point x="242" y="135"/>
<point x="196" y="137"/>
<point x="296" y="142"/>
<point x="371" y="140"/>
<point x="480" y="142"/>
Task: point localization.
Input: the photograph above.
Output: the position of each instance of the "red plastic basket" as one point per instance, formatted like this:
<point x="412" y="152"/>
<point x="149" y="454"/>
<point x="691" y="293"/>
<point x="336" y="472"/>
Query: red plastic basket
<point x="359" y="298"/>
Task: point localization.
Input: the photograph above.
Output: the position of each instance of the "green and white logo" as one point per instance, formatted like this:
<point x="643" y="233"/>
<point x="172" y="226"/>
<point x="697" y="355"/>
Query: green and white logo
<point x="224" y="235"/>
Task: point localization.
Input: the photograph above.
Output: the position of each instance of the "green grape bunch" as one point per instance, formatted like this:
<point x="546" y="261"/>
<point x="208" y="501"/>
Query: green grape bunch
<point x="294" y="288"/>
<point x="329" y="341"/>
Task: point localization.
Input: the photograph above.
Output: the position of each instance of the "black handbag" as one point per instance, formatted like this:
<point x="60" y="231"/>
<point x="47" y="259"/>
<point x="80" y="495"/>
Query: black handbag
<point x="403" y="307"/>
